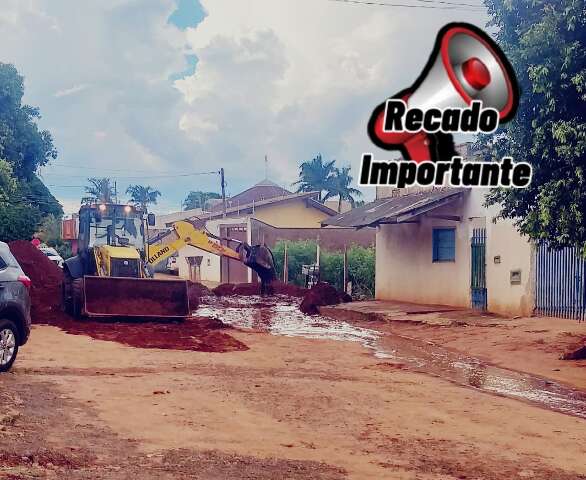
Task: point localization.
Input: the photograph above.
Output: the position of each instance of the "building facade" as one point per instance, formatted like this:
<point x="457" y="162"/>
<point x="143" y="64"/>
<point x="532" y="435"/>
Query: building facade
<point x="441" y="246"/>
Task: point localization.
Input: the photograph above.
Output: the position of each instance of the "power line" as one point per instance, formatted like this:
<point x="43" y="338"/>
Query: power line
<point x="445" y="6"/>
<point x="81" y="167"/>
<point x="144" y="177"/>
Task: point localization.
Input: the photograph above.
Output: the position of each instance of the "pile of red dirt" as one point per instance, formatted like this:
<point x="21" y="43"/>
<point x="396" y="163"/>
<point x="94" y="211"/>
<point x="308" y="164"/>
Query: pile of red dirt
<point x="224" y="289"/>
<point x="193" y="333"/>
<point x="198" y="290"/>
<point x="248" y="289"/>
<point x="577" y="352"/>
<point x="200" y="334"/>
<point x="322" y="294"/>
<point x="46" y="278"/>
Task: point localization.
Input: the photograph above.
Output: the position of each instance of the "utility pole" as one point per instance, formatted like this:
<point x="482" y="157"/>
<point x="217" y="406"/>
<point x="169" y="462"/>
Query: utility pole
<point x="223" y="184"/>
<point x="266" y="168"/>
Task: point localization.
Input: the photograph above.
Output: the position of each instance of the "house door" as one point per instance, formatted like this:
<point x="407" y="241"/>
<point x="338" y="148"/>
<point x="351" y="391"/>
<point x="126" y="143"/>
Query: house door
<point x="478" y="269"/>
<point x="233" y="271"/>
<point x="560" y="287"/>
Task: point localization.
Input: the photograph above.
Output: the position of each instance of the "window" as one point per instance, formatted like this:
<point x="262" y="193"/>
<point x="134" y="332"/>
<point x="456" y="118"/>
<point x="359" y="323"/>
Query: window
<point x="2" y="264"/>
<point x="444" y="244"/>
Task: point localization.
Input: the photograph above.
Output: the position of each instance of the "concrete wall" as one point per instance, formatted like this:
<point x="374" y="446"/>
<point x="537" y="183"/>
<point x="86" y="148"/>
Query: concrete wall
<point x="405" y="269"/>
<point x="516" y="253"/>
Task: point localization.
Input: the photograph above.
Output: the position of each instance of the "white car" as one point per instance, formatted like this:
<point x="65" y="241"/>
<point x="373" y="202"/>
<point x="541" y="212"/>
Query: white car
<point x="52" y="255"/>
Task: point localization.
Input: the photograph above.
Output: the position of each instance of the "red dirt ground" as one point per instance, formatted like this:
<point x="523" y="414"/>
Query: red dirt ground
<point x="193" y="333"/>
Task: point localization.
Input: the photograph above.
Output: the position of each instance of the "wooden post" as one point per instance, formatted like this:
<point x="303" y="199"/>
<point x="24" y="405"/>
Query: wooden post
<point x="317" y="253"/>
<point x="345" y="269"/>
<point x="223" y="185"/>
<point x="286" y="265"/>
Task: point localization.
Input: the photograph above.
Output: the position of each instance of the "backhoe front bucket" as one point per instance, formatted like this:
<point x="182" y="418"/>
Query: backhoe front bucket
<point x="135" y="297"/>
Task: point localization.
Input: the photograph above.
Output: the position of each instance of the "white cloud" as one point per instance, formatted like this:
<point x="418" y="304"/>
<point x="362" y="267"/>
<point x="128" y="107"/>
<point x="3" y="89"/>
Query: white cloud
<point x="70" y="91"/>
<point x="287" y="78"/>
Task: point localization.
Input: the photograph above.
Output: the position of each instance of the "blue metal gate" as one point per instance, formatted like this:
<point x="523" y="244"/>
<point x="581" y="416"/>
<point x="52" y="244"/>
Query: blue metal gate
<point x="559" y="282"/>
<point x="478" y="269"/>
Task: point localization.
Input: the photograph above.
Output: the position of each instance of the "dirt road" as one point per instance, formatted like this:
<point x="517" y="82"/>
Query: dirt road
<point x="285" y="408"/>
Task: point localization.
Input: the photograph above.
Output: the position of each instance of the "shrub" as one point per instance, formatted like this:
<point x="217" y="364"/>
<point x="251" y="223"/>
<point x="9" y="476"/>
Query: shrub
<point x="361" y="265"/>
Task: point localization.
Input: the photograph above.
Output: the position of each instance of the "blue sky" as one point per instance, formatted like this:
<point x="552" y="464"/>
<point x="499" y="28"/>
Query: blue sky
<point x="155" y="91"/>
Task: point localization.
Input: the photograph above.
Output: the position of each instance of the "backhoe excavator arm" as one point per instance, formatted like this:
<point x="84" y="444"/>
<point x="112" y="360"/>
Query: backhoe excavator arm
<point x="185" y="233"/>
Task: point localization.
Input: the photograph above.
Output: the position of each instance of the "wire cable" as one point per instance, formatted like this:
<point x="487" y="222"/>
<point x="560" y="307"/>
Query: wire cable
<point x="446" y="6"/>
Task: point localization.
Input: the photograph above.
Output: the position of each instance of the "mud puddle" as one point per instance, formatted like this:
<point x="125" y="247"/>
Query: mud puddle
<point x="280" y="315"/>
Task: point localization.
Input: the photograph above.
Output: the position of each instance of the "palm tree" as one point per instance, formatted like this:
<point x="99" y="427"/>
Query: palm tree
<point x="198" y="199"/>
<point x="339" y="186"/>
<point x="142" y="196"/>
<point x="100" y="190"/>
<point x="314" y="176"/>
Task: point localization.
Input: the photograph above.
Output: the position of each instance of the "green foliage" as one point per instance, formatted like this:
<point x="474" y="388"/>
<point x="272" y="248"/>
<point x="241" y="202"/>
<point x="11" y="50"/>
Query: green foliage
<point x="24" y="199"/>
<point x="361" y="270"/>
<point x="49" y="232"/>
<point x="35" y="192"/>
<point x="99" y="190"/>
<point x="18" y="221"/>
<point x="298" y="253"/>
<point x="21" y="142"/>
<point x="545" y="42"/>
<point x="315" y="176"/>
<point x="8" y="183"/>
<point x="198" y="199"/>
<point x="339" y="186"/>
<point x="142" y="196"/>
<point x="361" y="265"/>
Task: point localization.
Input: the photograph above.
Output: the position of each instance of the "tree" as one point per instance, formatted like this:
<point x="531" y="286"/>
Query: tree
<point x="198" y="199"/>
<point x="339" y="186"/>
<point x="18" y="217"/>
<point x="24" y="200"/>
<point x="315" y="175"/>
<point x="21" y="142"/>
<point x="18" y="221"/>
<point x="142" y="196"/>
<point x="545" y="42"/>
<point x="8" y="183"/>
<point x="100" y="190"/>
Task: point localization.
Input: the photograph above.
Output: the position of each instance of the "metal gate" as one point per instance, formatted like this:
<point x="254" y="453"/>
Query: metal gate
<point x="559" y="282"/>
<point x="478" y="269"/>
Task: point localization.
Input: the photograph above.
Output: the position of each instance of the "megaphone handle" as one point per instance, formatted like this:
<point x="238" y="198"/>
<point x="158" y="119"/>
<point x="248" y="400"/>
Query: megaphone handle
<point x="419" y="147"/>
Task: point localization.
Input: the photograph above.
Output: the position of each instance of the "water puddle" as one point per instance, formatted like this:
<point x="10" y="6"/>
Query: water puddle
<point x="280" y="316"/>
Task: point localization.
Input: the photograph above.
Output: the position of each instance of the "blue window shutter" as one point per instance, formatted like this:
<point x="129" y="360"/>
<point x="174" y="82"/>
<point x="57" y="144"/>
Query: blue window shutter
<point x="444" y="244"/>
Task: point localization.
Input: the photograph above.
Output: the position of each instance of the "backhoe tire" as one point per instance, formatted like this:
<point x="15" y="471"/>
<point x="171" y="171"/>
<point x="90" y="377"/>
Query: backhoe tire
<point x="77" y="299"/>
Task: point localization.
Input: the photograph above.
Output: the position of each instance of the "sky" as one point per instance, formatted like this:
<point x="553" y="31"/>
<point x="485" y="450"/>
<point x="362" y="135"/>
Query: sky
<point x="165" y="92"/>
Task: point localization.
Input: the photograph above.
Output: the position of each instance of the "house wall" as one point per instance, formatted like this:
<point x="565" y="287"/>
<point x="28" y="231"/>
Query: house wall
<point x="405" y="270"/>
<point x="293" y="213"/>
<point x="516" y="253"/>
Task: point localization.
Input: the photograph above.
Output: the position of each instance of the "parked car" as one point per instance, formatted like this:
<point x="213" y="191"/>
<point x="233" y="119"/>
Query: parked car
<point x="172" y="265"/>
<point x="52" y="255"/>
<point x="15" y="305"/>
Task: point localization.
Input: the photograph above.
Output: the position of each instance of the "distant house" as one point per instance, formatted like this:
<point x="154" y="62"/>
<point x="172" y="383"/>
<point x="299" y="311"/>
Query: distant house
<point x="263" y="213"/>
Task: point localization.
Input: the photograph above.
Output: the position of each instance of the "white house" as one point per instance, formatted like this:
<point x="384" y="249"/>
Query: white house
<point x="441" y="246"/>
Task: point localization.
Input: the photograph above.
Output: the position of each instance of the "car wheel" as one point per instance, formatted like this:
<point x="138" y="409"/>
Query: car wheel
<point x="8" y="344"/>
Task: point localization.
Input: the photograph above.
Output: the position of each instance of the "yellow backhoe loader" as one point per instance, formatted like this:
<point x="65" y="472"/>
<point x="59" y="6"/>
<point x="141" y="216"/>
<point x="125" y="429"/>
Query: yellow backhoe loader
<point x="112" y="273"/>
